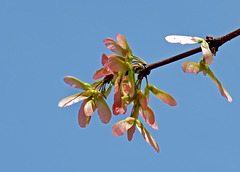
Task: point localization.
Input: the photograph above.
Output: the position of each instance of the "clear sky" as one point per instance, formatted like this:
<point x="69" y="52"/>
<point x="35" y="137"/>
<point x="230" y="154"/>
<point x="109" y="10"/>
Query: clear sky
<point x="42" y="41"/>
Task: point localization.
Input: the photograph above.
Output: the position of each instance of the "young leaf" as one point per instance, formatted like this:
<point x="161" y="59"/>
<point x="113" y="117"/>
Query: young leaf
<point x="121" y="127"/>
<point x="74" y="82"/>
<point x="147" y="136"/>
<point x="165" y="97"/>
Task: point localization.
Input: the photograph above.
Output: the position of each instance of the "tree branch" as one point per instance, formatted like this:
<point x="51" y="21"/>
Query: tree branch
<point x="214" y="44"/>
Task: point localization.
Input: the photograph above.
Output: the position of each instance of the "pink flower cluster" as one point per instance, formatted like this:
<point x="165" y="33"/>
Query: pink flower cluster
<point x="122" y="66"/>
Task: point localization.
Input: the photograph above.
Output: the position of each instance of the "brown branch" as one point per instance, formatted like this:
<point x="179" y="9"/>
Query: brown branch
<point x="214" y="44"/>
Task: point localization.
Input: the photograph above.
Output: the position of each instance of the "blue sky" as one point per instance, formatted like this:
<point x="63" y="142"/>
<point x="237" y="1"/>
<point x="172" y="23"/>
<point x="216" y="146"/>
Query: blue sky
<point x="42" y="41"/>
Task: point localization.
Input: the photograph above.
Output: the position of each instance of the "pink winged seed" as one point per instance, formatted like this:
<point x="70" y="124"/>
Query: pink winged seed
<point x="122" y="41"/>
<point x="148" y="116"/>
<point x="182" y="39"/>
<point x="147" y="136"/>
<point x="117" y="107"/>
<point x="113" y="46"/>
<point x="131" y="81"/>
<point x="74" y="82"/>
<point x="222" y="90"/>
<point x="115" y="64"/>
<point x="165" y="97"/>
<point x="142" y="99"/>
<point x="121" y="127"/>
<point x="83" y="119"/>
<point x="191" y="67"/>
<point x="101" y="73"/>
<point x="89" y="108"/>
<point x="207" y="52"/>
<point x="147" y="92"/>
<point x="105" y="60"/>
<point x="74" y="98"/>
<point x="103" y="110"/>
<point x="130" y="132"/>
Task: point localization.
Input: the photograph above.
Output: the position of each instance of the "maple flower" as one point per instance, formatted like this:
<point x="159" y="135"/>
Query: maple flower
<point x="192" y="67"/>
<point x="121" y="127"/>
<point x="193" y="40"/>
<point x="93" y="100"/>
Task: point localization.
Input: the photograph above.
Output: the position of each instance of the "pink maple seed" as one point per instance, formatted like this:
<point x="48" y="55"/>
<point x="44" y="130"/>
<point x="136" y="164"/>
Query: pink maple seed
<point x="134" y="114"/>
<point x="105" y="59"/>
<point x="191" y="67"/>
<point x="117" y="107"/>
<point x="113" y="46"/>
<point x="165" y="97"/>
<point x="101" y="73"/>
<point x="83" y="119"/>
<point x="149" y="117"/>
<point x="222" y="90"/>
<point x="125" y="85"/>
<point x="206" y="52"/>
<point x="121" y="127"/>
<point x="130" y="132"/>
<point x="68" y="101"/>
<point x="74" y="82"/>
<point x="147" y="93"/>
<point x="108" y="91"/>
<point x="102" y="108"/>
<point x="183" y="39"/>
<point x="115" y="64"/>
<point x="122" y="41"/>
<point x="89" y="107"/>
<point x="147" y="136"/>
<point x="142" y="99"/>
<point x="131" y="81"/>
